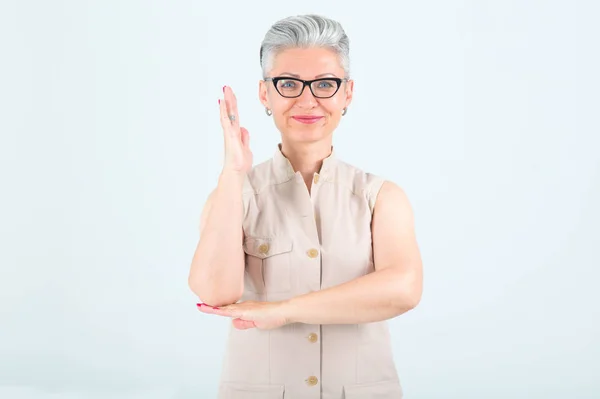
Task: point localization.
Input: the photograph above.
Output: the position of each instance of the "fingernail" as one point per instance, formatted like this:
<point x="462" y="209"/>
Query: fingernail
<point x="201" y="304"/>
<point x="219" y="101"/>
<point x="224" y="89"/>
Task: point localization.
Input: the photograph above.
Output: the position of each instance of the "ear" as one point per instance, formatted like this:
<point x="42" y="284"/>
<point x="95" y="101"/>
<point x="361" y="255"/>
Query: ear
<point x="262" y="93"/>
<point x="349" y="92"/>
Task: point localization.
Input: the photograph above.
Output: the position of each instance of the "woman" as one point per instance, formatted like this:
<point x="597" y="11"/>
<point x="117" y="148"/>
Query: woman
<point x="307" y="254"/>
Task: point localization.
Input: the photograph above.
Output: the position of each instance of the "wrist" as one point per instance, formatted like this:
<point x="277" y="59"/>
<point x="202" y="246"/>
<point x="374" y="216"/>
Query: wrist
<point x="286" y="310"/>
<point x="232" y="176"/>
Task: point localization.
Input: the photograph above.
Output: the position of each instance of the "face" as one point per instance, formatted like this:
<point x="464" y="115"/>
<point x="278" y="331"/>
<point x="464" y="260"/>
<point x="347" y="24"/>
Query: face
<point x="306" y="64"/>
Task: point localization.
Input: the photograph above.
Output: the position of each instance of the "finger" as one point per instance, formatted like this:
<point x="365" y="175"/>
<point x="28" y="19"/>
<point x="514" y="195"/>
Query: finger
<point x="245" y="137"/>
<point x="226" y="311"/>
<point x="200" y="304"/>
<point x="231" y="102"/>
<point x="243" y="324"/>
<point x="231" y="111"/>
<point x="225" y="122"/>
<point x="206" y="308"/>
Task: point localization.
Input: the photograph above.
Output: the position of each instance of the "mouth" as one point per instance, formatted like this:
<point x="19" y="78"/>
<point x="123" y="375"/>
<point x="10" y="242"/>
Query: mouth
<point x="307" y="119"/>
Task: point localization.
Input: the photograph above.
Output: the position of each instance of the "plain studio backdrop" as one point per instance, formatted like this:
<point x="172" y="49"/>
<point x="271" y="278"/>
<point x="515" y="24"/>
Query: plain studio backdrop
<point x="485" y="112"/>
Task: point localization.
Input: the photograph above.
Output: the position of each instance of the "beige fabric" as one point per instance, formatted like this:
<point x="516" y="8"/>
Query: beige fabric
<point x="295" y="243"/>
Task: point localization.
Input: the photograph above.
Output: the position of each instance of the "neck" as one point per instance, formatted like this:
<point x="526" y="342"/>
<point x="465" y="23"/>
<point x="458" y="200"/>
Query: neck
<point x="306" y="159"/>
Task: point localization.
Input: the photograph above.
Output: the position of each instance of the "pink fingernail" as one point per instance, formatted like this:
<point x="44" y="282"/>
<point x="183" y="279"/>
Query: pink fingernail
<point x="219" y="101"/>
<point x="201" y="304"/>
<point x="224" y="89"/>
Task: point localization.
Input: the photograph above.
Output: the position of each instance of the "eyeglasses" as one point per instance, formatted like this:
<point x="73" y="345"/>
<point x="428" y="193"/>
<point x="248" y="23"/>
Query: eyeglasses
<point x="320" y="88"/>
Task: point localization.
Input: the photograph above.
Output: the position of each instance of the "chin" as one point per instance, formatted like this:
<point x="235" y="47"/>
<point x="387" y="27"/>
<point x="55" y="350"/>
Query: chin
<point x="306" y="135"/>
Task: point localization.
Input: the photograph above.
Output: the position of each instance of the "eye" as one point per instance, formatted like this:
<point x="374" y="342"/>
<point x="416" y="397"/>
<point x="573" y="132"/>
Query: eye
<point x="287" y="84"/>
<point x="325" y="84"/>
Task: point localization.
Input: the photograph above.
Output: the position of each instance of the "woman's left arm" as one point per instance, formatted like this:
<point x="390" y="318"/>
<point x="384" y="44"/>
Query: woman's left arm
<point x="393" y="288"/>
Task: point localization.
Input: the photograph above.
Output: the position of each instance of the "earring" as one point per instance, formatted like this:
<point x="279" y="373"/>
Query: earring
<point x="344" y="111"/>
<point x="268" y="111"/>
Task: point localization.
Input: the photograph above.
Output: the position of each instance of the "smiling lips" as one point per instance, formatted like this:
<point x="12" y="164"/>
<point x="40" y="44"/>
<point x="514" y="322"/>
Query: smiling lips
<point x="307" y="118"/>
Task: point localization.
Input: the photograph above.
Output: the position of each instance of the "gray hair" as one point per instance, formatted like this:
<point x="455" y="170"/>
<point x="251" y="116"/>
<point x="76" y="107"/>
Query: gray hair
<point x="305" y="31"/>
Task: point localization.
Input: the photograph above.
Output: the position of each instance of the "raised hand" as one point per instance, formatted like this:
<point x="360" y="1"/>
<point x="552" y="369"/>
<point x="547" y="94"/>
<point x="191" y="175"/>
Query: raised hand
<point x="238" y="157"/>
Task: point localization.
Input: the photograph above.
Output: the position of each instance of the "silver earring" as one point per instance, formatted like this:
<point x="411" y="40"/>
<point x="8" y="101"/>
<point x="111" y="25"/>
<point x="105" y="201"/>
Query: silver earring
<point x="268" y="111"/>
<point x="344" y="111"/>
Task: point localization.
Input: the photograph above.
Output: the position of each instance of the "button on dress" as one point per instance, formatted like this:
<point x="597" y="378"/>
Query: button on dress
<point x="296" y="242"/>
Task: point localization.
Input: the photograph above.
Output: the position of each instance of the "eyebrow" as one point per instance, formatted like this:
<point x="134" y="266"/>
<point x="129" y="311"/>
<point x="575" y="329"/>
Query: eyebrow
<point x="298" y="76"/>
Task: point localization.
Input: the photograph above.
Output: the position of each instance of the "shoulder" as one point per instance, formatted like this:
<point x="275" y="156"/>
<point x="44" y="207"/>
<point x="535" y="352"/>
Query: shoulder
<point x="383" y="195"/>
<point x="391" y="192"/>
<point x="392" y="204"/>
<point x="359" y="181"/>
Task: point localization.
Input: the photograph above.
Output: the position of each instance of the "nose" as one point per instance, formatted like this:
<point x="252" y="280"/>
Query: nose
<point x="306" y="99"/>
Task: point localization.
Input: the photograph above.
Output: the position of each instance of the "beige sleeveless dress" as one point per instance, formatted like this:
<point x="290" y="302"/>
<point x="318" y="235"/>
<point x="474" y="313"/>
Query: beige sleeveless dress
<point x="295" y="243"/>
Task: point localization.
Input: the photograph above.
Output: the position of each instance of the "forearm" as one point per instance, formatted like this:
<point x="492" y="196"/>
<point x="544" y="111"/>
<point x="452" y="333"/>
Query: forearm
<point x="376" y="296"/>
<point x="218" y="265"/>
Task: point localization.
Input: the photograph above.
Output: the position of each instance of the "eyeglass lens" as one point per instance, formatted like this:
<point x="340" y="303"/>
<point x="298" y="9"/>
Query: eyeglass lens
<point x="320" y="88"/>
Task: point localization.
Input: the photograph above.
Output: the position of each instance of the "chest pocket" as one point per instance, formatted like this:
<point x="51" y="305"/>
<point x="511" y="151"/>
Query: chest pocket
<point x="268" y="264"/>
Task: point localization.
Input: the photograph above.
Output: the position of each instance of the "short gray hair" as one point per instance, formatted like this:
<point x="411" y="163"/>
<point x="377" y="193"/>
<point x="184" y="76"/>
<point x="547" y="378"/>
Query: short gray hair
<point x="305" y="31"/>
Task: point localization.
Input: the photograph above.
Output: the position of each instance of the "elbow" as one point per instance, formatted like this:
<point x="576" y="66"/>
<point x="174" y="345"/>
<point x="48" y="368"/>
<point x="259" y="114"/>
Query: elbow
<point x="220" y="300"/>
<point x="211" y="295"/>
<point x="409" y="295"/>
<point x="406" y="301"/>
<point x="412" y="301"/>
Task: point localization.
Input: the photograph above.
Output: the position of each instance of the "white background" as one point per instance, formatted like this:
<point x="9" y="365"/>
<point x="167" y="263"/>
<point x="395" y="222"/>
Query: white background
<point x="485" y="112"/>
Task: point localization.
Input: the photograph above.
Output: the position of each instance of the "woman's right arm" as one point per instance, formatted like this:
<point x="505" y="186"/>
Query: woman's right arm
<point x="217" y="270"/>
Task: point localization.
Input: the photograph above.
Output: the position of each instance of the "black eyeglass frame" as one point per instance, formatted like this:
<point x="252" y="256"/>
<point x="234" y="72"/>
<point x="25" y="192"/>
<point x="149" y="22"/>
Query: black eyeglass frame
<point x="306" y="83"/>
